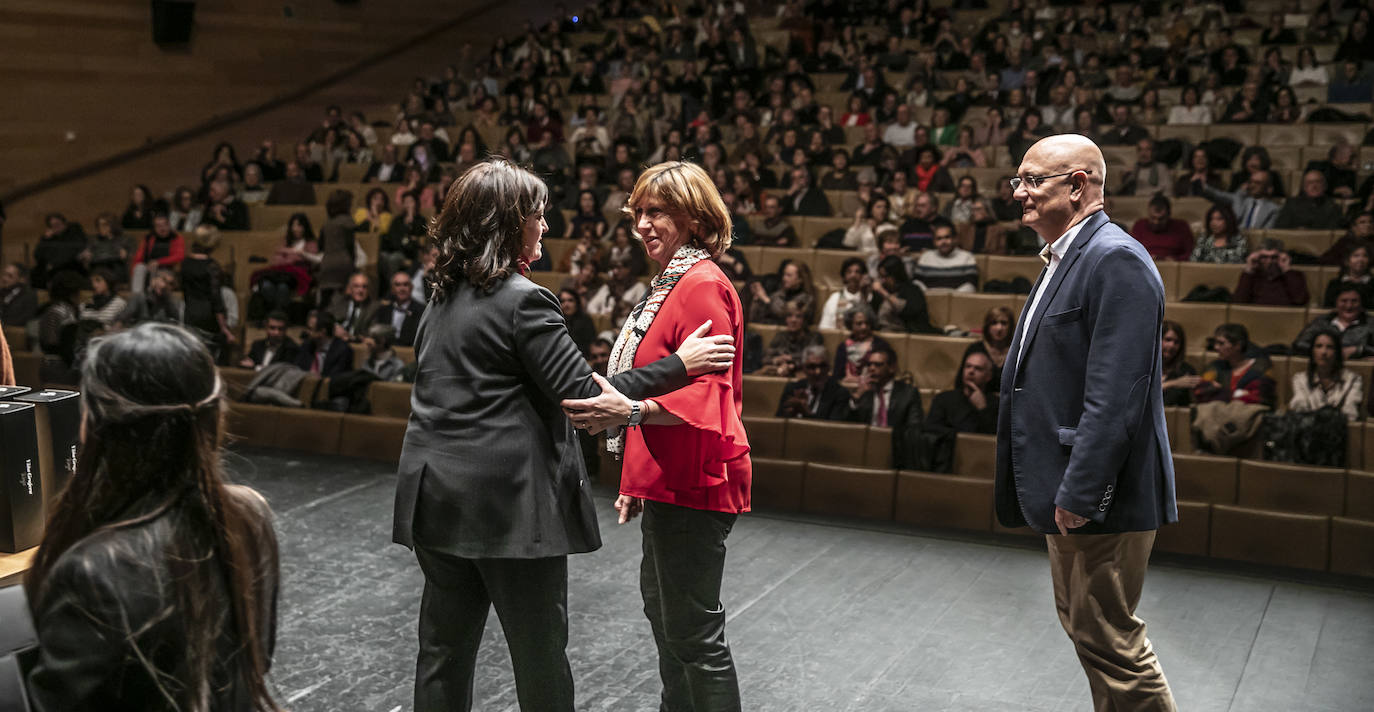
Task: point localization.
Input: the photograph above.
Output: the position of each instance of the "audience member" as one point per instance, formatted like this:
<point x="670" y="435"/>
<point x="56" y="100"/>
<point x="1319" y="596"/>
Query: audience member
<point x="1360" y="234"/>
<point x="1269" y="278"/>
<point x="867" y="220"/>
<point x="157" y="303"/>
<point x="274" y="347"/>
<point x="1349" y="320"/>
<point x="353" y="310"/>
<point x="850" y="354"/>
<point x="960" y="210"/>
<point x="109" y="249"/>
<point x="59" y="249"/>
<point x="774" y="230"/>
<point x="1251" y="204"/>
<point x="1221" y="241"/>
<point x="1240" y="373"/>
<point x="138" y="215"/>
<point x="338" y="247"/>
<point x="619" y="294"/>
<point x="56" y="337"/>
<point x="223" y="210"/>
<point x="1327" y="382"/>
<point x="855" y="289"/>
<point x="401" y="312"/>
<point x="880" y="401"/>
<point x="1313" y="210"/>
<point x="185" y="214"/>
<point x="1163" y="236"/>
<point x="803" y="198"/>
<point x="105" y="306"/>
<point x="1351" y="85"/>
<point x="971" y="406"/>
<point x="374" y="215"/>
<point x="253" y="191"/>
<point x="322" y="352"/>
<point x="999" y="325"/>
<point x="382" y="360"/>
<point x="817" y="394"/>
<point x="918" y="232"/>
<point x="162" y="248"/>
<point x="947" y="266"/>
<point x="580" y="326"/>
<point x="784" y="351"/>
<point x="387" y="169"/>
<point x="902" y="305"/>
<point x="1198" y="173"/>
<point x="294" y="189"/>
<point x="1180" y="378"/>
<point x="18" y="301"/>
<point x="795" y="289"/>
<point x="204" y="308"/>
<point x="1148" y="176"/>
<point x="1355" y="274"/>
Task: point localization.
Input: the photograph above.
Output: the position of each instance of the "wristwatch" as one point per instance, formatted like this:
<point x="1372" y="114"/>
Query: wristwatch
<point x="636" y="414"/>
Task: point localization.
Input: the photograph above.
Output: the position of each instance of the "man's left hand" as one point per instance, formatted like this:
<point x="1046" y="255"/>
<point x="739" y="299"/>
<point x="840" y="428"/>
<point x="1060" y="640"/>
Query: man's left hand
<point x="1067" y="520"/>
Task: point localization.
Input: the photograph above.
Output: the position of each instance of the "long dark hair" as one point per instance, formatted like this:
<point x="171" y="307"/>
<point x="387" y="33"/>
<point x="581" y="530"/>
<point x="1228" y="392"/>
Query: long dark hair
<point x="154" y="410"/>
<point x="478" y="231"/>
<point x="1336" y="367"/>
<point x="1177" y="328"/>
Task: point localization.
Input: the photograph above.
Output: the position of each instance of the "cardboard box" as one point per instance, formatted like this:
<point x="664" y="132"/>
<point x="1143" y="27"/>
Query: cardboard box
<point x="21" y="483"/>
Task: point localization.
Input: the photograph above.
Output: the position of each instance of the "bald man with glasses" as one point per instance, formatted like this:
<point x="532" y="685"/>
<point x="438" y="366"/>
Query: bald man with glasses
<point x="1082" y="448"/>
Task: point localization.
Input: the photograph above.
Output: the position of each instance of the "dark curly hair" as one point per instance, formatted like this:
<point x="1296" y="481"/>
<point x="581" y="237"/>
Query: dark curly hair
<point x="478" y="231"/>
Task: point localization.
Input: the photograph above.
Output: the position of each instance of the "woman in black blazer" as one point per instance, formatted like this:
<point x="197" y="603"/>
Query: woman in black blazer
<point x="493" y="493"/>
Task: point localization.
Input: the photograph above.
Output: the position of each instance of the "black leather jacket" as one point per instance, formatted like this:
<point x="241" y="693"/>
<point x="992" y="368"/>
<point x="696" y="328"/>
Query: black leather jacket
<point x="107" y="615"/>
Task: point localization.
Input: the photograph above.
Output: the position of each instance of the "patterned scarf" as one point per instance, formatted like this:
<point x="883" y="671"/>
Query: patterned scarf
<point x="641" y="317"/>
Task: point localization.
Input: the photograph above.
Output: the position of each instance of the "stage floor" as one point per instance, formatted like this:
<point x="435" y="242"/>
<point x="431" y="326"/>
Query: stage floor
<point x="824" y="615"/>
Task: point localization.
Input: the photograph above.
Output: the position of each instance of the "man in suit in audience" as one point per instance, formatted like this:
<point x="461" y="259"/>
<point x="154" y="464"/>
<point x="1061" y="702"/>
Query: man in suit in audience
<point x="816" y="394"/>
<point x="1251" y="204"/>
<point x="883" y="402"/>
<point x="353" y="310"/>
<point x="323" y="353"/>
<point x="803" y="198"/>
<point x="1082" y="447"/>
<point x="401" y="312"/>
<point x="276" y="347"/>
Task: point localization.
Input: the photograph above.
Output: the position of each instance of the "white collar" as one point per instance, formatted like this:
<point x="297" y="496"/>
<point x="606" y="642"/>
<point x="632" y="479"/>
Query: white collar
<point x="1060" y="247"/>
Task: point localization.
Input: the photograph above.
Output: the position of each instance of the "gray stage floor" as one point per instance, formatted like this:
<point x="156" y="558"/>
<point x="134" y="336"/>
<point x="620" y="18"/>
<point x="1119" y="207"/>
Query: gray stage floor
<point x="824" y="616"/>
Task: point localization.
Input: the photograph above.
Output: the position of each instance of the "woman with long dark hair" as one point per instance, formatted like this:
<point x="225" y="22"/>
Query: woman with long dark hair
<point x="1180" y="378"/>
<point x="493" y="492"/>
<point x="1327" y="382"/>
<point x="155" y="587"/>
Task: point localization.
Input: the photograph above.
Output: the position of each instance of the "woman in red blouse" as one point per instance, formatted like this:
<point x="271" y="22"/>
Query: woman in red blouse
<point x="686" y="456"/>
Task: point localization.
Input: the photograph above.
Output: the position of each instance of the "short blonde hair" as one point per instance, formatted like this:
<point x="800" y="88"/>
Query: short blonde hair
<point x="686" y="190"/>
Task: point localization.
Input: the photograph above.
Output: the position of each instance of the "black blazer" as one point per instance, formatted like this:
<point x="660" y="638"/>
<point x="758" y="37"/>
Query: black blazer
<point x="105" y="607"/>
<point x="406" y="337"/>
<point x="286" y="353"/>
<point x="491" y="467"/>
<point x="833" y="403"/>
<point x="337" y="359"/>
<point x="904" y="416"/>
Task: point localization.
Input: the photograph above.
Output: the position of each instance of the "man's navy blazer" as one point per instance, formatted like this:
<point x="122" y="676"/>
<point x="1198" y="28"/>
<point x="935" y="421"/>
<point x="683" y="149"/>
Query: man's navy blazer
<point x="1081" y="420"/>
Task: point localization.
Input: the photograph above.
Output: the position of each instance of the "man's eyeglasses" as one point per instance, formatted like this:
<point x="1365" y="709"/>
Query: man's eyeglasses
<point x="815" y="366"/>
<point x="1037" y="181"/>
<point x="874" y="364"/>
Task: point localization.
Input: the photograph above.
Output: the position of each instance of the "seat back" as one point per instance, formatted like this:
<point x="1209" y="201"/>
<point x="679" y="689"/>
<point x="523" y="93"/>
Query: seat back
<point x="762" y="394"/>
<point x="777" y="484"/>
<point x="1301" y="489"/>
<point x="765" y="436"/>
<point x="1206" y="478"/>
<point x="946" y="501"/>
<point x="975" y="455"/>
<point x="1271" y="538"/>
<point x="825" y="441"/>
<point x="848" y="491"/>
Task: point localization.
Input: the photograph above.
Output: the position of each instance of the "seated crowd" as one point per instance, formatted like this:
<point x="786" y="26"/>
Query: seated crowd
<point x="889" y="112"/>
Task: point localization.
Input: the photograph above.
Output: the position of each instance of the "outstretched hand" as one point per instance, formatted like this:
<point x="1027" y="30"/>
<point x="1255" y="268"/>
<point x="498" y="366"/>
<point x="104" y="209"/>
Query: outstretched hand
<point x="597" y="413"/>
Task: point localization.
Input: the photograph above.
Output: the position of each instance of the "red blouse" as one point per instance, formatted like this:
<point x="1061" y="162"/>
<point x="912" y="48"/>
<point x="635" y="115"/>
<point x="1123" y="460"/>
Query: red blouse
<point x="703" y="463"/>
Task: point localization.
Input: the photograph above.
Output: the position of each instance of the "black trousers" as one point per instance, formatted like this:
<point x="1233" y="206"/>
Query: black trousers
<point x="531" y="600"/>
<point x="684" y="560"/>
